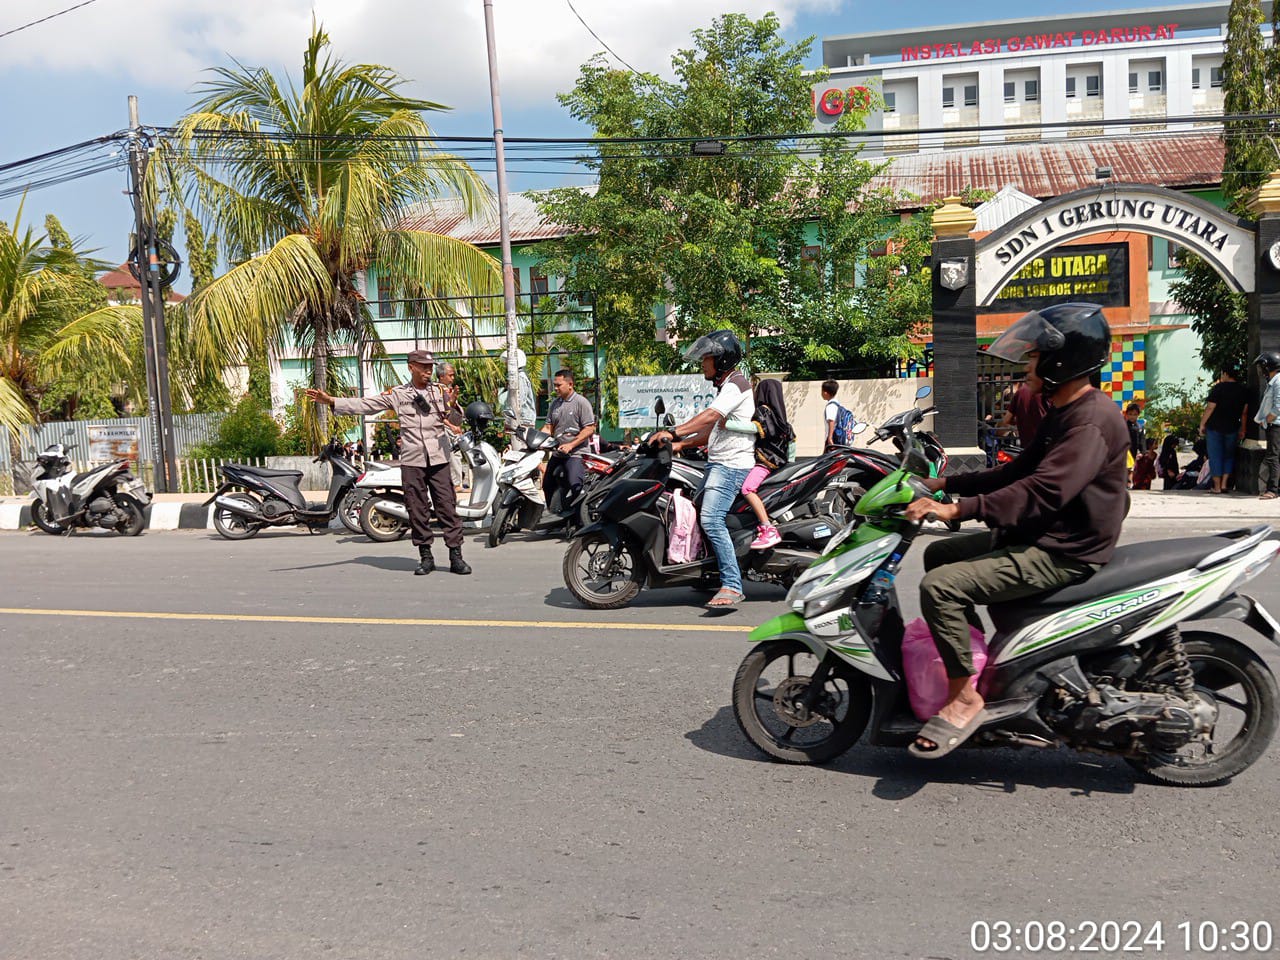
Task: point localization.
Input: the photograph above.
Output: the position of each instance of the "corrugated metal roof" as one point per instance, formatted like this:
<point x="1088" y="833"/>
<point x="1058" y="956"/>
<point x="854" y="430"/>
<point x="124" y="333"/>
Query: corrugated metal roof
<point x="448" y="217"/>
<point x="1038" y="169"/>
<point x="1043" y="169"/>
<point x="1003" y="207"/>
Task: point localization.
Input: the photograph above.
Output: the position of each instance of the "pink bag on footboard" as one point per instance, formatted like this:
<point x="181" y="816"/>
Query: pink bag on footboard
<point x="923" y="669"/>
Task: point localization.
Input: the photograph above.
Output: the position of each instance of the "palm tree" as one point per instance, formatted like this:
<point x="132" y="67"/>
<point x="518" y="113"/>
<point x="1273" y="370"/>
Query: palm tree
<point x="45" y="332"/>
<point x="305" y="186"/>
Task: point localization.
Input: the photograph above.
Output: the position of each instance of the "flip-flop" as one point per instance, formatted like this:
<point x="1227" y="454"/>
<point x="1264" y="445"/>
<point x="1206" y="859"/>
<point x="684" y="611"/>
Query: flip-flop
<point x="730" y="598"/>
<point x="945" y="734"/>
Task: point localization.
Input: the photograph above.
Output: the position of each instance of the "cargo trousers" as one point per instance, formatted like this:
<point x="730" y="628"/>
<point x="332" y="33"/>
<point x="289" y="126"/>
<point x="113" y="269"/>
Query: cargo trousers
<point x="961" y="572"/>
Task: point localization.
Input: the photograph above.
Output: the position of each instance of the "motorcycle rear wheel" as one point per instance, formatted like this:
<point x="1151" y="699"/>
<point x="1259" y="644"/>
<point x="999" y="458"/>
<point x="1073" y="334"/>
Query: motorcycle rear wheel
<point x="765" y="707"/>
<point x="1245" y="691"/>
<point x="378" y="525"/>
<point x="505" y="520"/>
<point x="596" y="579"/>
<point x="134" y="521"/>
<point x="233" y="526"/>
<point x="40" y="517"/>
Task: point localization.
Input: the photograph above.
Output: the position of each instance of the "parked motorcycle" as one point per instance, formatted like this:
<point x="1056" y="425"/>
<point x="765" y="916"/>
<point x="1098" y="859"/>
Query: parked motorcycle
<point x="522" y="504"/>
<point x="868" y="466"/>
<point x="376" y="478"/>
<point x="1125" y="662"/>
<point x="384" y="516"/>
<point x="108" y="497"/>
<point x="626" y="548"/>
<point x="251" y="498"/>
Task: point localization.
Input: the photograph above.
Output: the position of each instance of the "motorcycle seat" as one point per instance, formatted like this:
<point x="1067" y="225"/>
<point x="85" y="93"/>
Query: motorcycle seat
<point x="264" y="472"/>
<point x="1130" y="566"/>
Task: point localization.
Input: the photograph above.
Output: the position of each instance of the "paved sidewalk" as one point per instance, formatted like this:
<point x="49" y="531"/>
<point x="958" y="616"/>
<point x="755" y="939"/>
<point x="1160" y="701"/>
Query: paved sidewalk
<point x="183" y="511"/>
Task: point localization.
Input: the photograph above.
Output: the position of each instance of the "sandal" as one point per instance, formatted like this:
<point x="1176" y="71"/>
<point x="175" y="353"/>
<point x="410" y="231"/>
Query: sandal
<point x="1268" y="496"/>
<point x="726" y="599"/>
<point x="945" y="735"/>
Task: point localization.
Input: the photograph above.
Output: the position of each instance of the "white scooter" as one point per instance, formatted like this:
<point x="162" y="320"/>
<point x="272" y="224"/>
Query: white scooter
<point x="108" y="497"/>
<point x="385" y="517"/>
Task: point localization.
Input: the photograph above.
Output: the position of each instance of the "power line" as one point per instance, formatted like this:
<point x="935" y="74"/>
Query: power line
<point x="51" y="16"/>
<point x="600" y="41"/>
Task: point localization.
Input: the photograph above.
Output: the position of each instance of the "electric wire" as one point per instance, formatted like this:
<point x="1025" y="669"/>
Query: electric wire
<point x="601" y="41"/>
<point x="51" y="16"/>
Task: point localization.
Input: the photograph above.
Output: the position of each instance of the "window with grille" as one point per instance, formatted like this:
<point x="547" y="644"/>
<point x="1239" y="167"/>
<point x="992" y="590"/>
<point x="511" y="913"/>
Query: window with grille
<point x="385" y="307"/>
<point x="1071" y="87"/>
<point x="1010" y="94"/>
<point x="971" y="95"/>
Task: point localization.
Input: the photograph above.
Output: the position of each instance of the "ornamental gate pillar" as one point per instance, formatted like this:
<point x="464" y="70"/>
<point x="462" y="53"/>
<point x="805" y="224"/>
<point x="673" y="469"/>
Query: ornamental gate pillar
<point x="955" y="328"/>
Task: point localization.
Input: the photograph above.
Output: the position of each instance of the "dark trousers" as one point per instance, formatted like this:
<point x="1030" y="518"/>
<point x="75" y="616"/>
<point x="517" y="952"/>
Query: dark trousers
<point x="1269" y="472"/>
<point x="568" y="471"/>
<point x="416" y="481"/>
<point x="964" y="571"/>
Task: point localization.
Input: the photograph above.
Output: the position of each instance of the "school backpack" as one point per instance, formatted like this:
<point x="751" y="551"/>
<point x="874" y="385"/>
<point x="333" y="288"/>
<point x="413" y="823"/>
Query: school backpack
<point x="846" y="423"/>
<point x="684" y="540"/>
<point x="773" y="436"/>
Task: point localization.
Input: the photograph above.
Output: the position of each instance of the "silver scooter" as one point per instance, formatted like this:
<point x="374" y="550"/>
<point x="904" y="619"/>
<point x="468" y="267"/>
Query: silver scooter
<point x="385" y="516"/>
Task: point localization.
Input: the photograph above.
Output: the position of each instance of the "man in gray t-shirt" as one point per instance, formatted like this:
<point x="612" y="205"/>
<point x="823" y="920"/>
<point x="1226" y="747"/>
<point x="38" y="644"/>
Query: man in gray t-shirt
<point x="572" y="422"/>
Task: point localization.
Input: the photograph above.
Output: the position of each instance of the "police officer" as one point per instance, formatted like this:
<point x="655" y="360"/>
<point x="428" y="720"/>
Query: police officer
<point x="422" y="407"/>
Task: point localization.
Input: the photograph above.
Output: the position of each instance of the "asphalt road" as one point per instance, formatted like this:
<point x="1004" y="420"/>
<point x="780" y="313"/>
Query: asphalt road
<point x="202" y="786"/>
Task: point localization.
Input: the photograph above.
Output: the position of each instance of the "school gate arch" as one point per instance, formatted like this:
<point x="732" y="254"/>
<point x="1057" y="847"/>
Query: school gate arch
<point x="969" y="274"/>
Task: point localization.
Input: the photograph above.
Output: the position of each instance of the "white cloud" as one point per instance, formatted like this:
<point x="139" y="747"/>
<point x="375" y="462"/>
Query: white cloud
<point x="440" y="44"/>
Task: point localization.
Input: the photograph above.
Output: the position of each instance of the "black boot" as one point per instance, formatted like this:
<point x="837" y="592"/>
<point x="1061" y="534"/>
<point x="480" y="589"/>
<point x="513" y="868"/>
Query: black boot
<point x="426" y="562"/>
<point x="456" y="563"/>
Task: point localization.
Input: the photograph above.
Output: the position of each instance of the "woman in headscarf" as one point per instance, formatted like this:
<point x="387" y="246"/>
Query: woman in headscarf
<point x="773" y="441"/>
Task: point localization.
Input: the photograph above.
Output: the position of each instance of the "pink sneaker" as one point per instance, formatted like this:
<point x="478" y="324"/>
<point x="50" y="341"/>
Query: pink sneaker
<point x="766" y="537"/>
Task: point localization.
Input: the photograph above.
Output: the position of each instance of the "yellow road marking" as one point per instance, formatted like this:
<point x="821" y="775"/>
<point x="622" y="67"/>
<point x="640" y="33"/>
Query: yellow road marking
<point x="380" y="621"/>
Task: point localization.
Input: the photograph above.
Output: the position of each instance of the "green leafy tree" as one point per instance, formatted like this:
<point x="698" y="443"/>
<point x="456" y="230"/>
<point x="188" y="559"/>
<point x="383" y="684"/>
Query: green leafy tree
<point x="304" y="185"/>
<point x="721" y="240"/>
<point x="1250" y="85"/>
<point x="57" y="337"/>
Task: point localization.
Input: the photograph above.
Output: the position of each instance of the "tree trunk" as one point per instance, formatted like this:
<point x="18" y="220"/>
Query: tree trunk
<point x="320" y="374"/>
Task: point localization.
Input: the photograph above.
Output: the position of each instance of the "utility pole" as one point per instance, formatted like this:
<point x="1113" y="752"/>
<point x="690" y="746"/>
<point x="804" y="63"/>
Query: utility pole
<point x="504" y="222"/>
<point x="154" y="337"/>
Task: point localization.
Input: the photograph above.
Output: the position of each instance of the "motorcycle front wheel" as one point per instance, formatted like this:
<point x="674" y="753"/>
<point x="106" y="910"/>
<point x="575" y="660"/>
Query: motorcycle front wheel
<point x="378" y="525"/>
<point x="133" y="521"/>
<point x="1242" y="686"/>
<point x="767" y="701"/>
<point x="40" y="517"/>
<point x="505" y="520"/>
<point x="232" y="525"/>
<point x="597" y="578"/>
<point x="349" y="509"/>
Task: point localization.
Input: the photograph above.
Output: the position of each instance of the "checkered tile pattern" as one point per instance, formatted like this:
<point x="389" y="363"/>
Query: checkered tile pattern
<point x="1125" y="377"/>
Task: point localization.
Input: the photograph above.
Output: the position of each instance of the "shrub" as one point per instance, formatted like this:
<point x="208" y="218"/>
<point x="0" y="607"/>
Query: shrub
<point x="247" y="431"/>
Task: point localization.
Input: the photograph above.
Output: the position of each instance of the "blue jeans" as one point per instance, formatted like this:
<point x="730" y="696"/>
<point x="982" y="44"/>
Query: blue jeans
<point x="718" y="493"/>
<point x="1222" y="452"/>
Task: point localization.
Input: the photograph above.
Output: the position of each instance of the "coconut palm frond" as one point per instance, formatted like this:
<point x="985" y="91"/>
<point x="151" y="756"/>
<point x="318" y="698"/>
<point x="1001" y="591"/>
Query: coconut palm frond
<point x="14" y="411"/>
<point x="100" y="341"/>
<point x="243" y="309"/>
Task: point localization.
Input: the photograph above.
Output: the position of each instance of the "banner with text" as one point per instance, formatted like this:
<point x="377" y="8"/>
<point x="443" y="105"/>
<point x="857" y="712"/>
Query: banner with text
<point x="683" y="395"/>
<point x="1092" y="273"/>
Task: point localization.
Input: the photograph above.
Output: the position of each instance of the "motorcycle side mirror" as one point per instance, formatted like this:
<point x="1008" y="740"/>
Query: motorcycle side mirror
<point x="659" y="408"/>
<point x="923" y="392"/>
<point x="860" y="427"/>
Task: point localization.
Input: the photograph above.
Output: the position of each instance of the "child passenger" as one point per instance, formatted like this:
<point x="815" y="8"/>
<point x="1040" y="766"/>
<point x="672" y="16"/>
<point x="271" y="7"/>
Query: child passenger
<point x="773" y="440"/>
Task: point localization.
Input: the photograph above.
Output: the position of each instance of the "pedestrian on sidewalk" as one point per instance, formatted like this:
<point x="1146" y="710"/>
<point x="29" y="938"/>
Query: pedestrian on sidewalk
<point x="1222" y="426"/>
<point x="424" y="455"/>
<point x="1167" y="463"/>
<point x="1267" y="416"/>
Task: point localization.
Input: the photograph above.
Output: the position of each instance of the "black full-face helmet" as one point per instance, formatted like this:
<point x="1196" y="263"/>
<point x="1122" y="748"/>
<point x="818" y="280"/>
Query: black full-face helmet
<point x="1073" y="340"/>
<point x="1269" y="361"/>
<point x="724" y="345"/>
<point x="479" y="413"/>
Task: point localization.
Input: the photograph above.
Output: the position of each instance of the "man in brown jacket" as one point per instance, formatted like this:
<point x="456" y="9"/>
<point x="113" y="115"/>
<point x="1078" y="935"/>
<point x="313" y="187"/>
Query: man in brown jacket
<point x="422" y="407"/>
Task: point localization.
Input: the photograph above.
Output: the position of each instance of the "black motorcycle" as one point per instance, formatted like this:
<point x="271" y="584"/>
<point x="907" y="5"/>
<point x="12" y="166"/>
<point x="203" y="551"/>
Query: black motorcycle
<point x="251" y="498"/>
<point x="610" y="559"/>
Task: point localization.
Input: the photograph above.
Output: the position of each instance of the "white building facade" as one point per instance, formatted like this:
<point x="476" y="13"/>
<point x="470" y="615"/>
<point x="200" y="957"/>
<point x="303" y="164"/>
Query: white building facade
<point x="1040" y="78"/>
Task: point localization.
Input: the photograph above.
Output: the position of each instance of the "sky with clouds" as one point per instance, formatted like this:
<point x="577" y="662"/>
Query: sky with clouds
<point x="67" y="80"/>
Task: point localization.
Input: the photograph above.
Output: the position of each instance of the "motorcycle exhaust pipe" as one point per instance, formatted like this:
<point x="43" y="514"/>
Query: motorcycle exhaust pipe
<point x="239" y="507"/>
<point x="392" y="508"/>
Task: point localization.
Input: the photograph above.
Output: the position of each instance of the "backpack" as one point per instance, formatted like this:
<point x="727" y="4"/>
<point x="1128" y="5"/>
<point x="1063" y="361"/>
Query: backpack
<point x="846" y="423"/>
<point x="684" y="541"/>
<point x="773" y="437"/>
